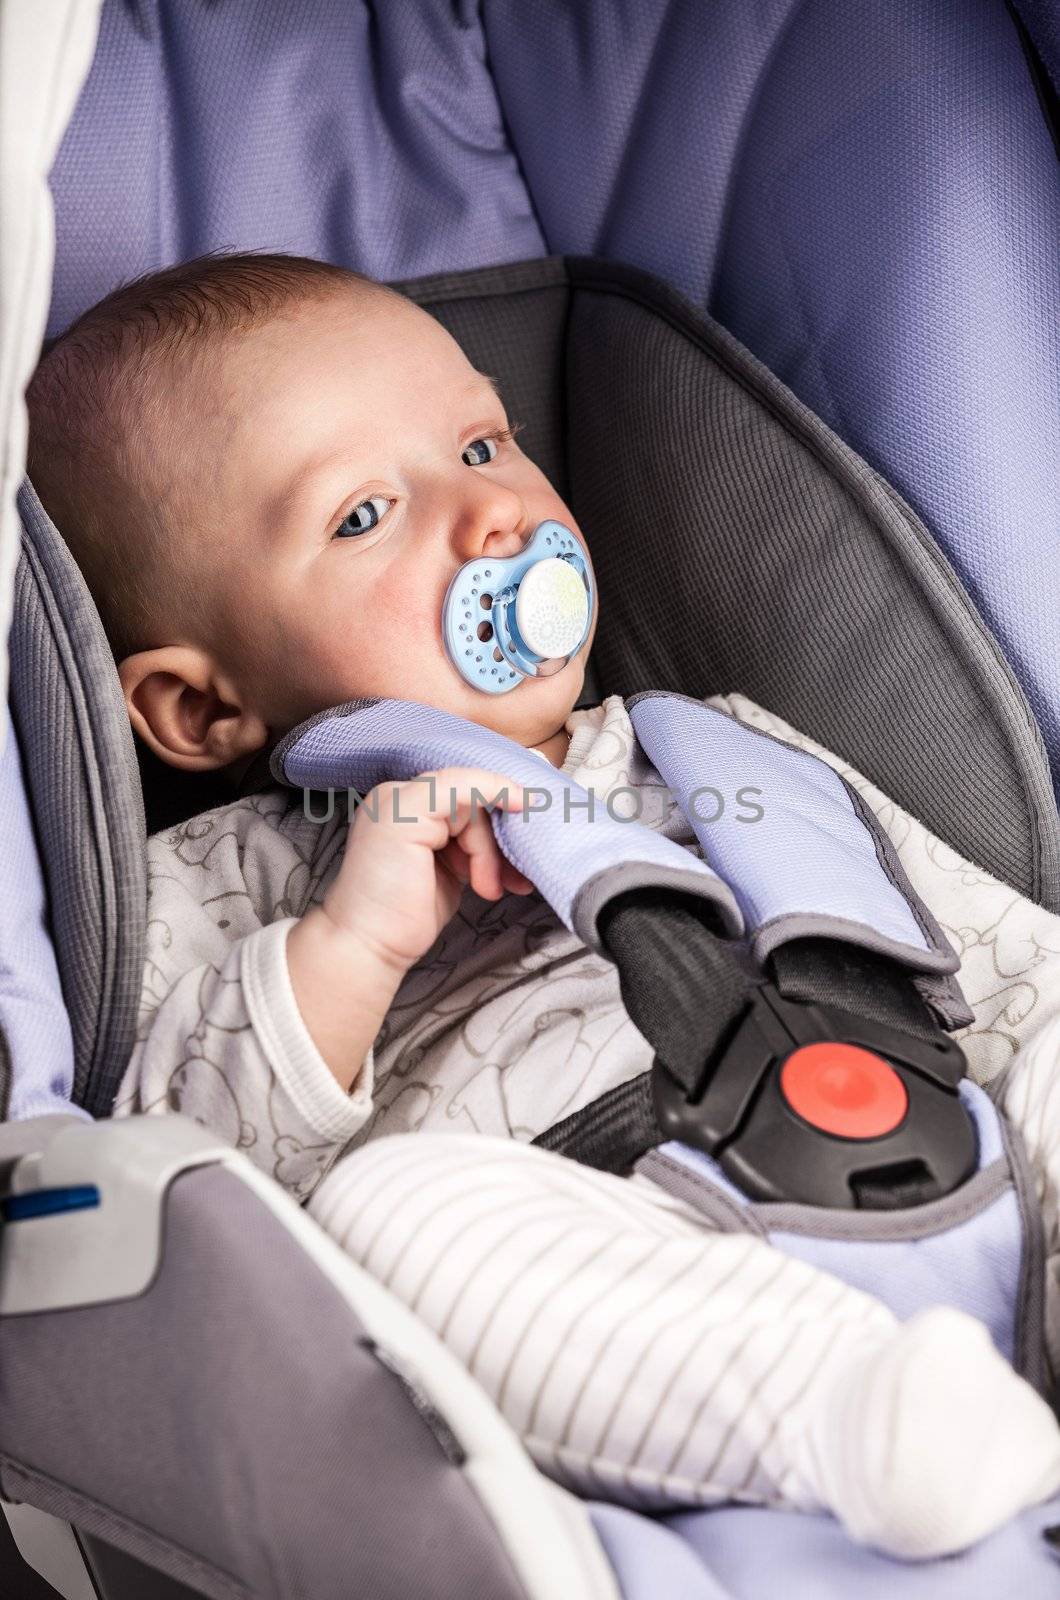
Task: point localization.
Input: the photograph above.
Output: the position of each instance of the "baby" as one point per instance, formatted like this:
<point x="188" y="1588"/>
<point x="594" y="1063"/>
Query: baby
<point x="269" y="469"/>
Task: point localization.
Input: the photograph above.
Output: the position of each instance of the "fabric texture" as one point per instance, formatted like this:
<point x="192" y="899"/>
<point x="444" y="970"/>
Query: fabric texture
<point x="220" y="1036"/>
<point x="777" y="869"/>
<point x="897" y="197"/>
<point x="1042" y="20"/>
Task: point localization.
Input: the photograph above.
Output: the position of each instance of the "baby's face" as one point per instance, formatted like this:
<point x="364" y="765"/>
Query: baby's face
<point x="356" y="462"/>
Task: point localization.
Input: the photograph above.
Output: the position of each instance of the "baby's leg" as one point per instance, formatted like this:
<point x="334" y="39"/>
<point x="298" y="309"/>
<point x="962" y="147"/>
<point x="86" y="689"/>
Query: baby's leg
<point x="646" y="1359"/>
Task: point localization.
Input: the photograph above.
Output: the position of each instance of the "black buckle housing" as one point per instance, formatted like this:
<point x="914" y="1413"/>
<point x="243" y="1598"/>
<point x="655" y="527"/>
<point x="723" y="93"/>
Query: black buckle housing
<point x="737" y="1113"/>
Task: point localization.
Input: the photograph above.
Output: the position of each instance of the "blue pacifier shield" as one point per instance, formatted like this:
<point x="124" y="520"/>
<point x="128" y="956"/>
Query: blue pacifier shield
<point x="503" y="620"/>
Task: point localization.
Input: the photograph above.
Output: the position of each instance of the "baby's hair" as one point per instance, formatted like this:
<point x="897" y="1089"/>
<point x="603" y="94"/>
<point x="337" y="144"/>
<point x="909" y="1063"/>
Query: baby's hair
<point x="96" y="403"/>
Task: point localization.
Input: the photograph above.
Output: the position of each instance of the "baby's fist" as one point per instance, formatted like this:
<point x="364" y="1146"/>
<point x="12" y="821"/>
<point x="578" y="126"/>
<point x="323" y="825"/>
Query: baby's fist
<point x="411" y="849"/>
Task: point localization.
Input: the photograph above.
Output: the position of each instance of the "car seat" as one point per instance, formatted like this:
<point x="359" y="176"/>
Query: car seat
<point x="137" y="1336"/>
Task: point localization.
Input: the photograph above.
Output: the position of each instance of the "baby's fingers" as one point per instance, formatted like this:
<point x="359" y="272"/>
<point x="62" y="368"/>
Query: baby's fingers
<point x="458" y="861"/>
<point x="457" y="793"/>
<point x="485" y="860"/>
<point x="513" y="880"/>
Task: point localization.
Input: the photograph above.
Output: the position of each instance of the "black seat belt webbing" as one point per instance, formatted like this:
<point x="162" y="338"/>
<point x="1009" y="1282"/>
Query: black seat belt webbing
<point x="683" y="989"/>
<point x="681" y="985"/>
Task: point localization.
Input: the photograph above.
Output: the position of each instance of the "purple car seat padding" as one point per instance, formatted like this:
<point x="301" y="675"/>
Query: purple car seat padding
<point x="745" y="1547"/>
<point x="865" y="195"/>
<point x="569" y="845"/>
<point x="415" y="176"/>
<point x="735" y="1553"/>
<point x="36" y="1046"/>
<point x="904" y="222"/>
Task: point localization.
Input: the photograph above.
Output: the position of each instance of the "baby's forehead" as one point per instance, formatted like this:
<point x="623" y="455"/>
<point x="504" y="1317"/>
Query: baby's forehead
<point x="381" y="340"/>
<point x="286" y="395"/>
<point x="377" y="313"/>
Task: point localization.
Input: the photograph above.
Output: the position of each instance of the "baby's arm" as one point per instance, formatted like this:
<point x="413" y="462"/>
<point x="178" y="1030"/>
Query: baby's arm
<point x="220" y="1037"/>
<point x="226" y="1046"/>
<point x="272" y="1053"/>
<point x="411" y="849"/>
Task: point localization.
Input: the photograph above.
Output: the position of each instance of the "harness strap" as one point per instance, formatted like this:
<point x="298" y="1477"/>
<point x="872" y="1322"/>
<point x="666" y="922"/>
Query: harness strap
<point x="833" y="973"/>
<point x="612" y="1132"/>
<point x="682" y="986"/>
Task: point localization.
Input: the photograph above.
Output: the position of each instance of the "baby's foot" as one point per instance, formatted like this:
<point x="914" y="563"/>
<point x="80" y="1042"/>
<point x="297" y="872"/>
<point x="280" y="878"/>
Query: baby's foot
<point x="926" y="1440"/>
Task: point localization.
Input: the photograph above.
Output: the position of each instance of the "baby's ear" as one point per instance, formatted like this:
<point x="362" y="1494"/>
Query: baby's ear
<point x="187" y="711"/>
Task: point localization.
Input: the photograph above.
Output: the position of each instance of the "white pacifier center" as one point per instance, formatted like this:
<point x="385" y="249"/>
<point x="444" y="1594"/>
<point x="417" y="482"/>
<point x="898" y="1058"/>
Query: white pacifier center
<point x="552" y="608"/>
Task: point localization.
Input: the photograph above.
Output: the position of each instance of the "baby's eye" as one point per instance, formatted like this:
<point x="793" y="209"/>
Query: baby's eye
<point x="477" y="446"/>
<point x="363" y="518"/>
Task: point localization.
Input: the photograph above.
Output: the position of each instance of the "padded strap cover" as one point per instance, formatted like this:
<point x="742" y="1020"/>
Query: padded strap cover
<point x="815" y="863"/>
<point x="565" y="840"/>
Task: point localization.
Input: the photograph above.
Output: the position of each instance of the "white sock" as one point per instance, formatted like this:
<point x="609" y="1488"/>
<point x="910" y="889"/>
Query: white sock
<point x="927" y="1440"/>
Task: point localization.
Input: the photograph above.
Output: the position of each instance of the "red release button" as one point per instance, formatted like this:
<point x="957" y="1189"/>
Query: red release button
<point x="843" y="1089"/>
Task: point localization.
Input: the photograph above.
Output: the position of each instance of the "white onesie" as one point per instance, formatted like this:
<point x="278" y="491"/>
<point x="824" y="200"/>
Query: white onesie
<point x="641" y="1357"/>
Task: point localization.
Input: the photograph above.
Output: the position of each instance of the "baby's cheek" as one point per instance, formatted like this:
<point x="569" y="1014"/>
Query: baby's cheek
<point x="398" y="608"/>
<point x="376" y="647"/>
<point x="315" y="658"/>
<point x="385" y="640"/>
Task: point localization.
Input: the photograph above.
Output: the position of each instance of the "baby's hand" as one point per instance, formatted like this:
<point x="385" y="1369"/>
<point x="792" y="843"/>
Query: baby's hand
<point x="411" y="848"/>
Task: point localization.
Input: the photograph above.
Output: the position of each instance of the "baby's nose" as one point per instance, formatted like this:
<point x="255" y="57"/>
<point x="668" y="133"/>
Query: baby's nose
<point x="492" y="522"/>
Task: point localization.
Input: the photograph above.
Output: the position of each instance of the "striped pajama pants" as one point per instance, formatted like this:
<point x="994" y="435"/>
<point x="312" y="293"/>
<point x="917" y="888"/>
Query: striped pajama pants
<point x="646" y="1359"/>
<point x="641" y="1357"/>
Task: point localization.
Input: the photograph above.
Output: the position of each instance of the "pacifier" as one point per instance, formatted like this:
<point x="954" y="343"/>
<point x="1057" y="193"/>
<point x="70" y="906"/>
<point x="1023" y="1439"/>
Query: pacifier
<point x="504" y="620"/>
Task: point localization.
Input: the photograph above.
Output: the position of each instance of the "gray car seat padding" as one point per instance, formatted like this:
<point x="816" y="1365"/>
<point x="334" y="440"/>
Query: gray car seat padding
<point x="163" y="1393"/>
<point x="808" y="584"/>
<point x="80" y="768"/>
<point x="739" y="545"/>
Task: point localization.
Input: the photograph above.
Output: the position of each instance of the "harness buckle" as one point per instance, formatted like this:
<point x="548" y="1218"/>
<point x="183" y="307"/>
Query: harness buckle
<point x="810" y="1103"/>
